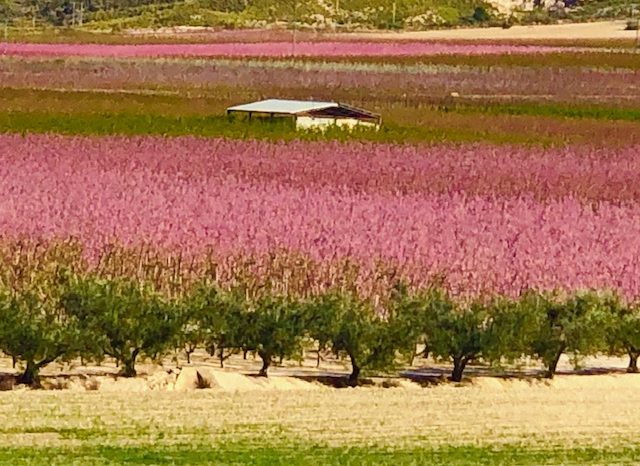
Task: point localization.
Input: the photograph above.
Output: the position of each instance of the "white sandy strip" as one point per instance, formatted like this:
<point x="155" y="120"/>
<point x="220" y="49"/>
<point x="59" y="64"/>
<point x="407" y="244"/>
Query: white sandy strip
<point x="580" y="31"/>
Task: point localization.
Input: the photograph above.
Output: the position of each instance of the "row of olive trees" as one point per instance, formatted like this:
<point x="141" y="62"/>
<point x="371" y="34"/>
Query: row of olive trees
<point x="61" y="317"/>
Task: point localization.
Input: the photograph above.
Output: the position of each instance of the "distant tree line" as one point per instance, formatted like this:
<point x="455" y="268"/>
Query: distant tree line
<point x="59" y="316"/>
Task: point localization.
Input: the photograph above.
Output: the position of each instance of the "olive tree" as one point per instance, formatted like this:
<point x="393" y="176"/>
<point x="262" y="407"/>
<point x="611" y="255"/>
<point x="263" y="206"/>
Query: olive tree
<point x="624" y="337"/>
<point x="456" y="331"/>
<point x="410" y="309"/>
<point x="507" y="338"/>
<point x="126" y="319"/>
<point x="463" y="331"/>
<point x="35" y="330"/>
<point x="577" y="325"/>
<point x="191" y="334"/>
<point x="321" y="323"/>
<point x="273" y="327"/>
<point x="216" y="320"/>
<point x="351" y="325"/>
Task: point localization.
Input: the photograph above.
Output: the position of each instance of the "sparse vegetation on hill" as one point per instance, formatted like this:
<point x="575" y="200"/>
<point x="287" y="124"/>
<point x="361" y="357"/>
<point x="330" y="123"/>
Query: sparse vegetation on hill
<point x="311" y="14"/>
<point x="578" y="11"/>
<point x="345" y="14"/>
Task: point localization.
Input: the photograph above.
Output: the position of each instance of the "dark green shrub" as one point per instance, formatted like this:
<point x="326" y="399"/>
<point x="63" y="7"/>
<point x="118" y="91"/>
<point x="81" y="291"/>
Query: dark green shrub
<point x="481" y="15"/>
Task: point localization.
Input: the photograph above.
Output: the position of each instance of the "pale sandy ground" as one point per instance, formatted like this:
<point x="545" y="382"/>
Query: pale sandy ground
<point x="605" y="30"/>
<point x="238" y="375"/>
<point x="582" y="31"/>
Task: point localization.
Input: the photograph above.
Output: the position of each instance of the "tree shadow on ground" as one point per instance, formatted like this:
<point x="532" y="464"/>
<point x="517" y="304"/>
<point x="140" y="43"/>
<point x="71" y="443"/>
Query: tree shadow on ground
<point x="335" y="380"/>
<point x="7" y="381"/>
<point x="426" y="376"/>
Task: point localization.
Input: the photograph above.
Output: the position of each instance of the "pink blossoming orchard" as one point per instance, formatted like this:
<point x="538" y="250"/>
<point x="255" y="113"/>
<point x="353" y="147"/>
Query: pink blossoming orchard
<point x="487" y="219"/>
<point x="269" y="49"/>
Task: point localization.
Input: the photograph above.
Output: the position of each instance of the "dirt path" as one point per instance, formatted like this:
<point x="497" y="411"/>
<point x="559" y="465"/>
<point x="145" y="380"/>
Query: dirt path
<point x="582" y="31"/>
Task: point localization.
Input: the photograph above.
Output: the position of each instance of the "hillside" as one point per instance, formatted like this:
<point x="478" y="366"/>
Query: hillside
<point x="311" y="14"/>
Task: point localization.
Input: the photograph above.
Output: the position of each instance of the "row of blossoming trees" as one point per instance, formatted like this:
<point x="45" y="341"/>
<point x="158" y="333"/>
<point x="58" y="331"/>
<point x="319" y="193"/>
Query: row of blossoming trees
<point x="55" y="313"/>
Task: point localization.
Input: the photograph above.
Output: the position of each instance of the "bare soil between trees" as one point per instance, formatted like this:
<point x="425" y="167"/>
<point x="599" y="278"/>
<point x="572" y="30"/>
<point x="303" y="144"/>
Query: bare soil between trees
<point x="240" y="375"/>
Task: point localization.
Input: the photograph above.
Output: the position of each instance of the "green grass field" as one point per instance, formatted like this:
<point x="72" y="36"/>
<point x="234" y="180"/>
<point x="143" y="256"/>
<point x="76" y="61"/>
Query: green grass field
<point x="305" y="454"/>
<point x="100" y="113"/>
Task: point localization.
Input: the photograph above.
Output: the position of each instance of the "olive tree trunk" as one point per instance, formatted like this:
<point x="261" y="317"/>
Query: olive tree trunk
<point x="129" y="364"/>
<point x="355" y="372"/>
<point x="30" y="376"/>
<point x="188" y="351"/>
<point x="459" y="364"/>
<point x="633" y="362"/>
<point x="266" y="362"/>
<point x="553" y="365"/>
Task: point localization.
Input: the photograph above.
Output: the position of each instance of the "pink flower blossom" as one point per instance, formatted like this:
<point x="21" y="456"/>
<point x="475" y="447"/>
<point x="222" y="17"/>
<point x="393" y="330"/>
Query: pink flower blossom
<point x="490" y="218"/>
<point x="268" y="49"/>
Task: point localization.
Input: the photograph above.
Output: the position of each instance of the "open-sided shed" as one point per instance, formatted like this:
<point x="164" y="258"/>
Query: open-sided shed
<point x="311" y="114"/>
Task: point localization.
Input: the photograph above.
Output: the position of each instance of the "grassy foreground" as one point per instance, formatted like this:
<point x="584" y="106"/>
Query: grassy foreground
<point x="572" y="420"/>
<point x="313" y="454"/>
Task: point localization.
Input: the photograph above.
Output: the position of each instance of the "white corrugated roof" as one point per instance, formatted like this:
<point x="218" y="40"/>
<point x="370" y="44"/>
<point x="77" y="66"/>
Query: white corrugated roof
<point x="291" y="107"/>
